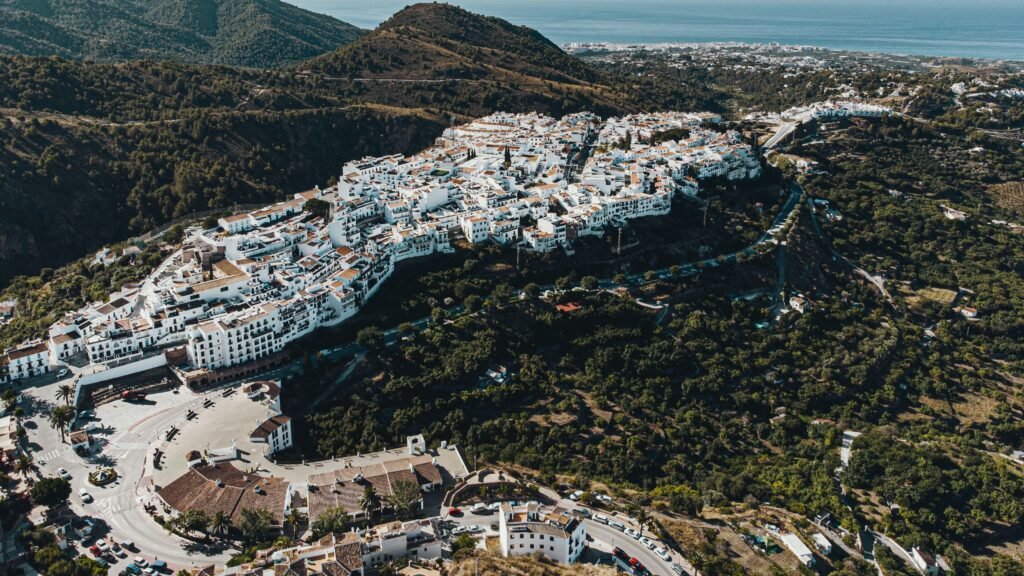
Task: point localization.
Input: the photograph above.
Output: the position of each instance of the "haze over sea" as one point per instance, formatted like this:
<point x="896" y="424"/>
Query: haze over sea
<point x="968" y="28"/>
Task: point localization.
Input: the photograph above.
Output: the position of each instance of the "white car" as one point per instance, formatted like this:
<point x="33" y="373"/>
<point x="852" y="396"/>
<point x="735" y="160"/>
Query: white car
<point x="140" y="562"/>
<point x="63" y="473"/>
<point x="475" y="529"/>
<point x="604" y="498"/>
<point x="459" y="530"/>
<point x="647" y="542"/>
<point x="600" y="518"/>
<point x="663" y="554"/>
<point x="478" y="507"/>
<point x="616" y="524"/>
<point x="102" y="545"/>
<point x="495" y="506"/>
<point x="63" y="372"/>
<point x="86" y="498"/>
<point x="632" y="533"/>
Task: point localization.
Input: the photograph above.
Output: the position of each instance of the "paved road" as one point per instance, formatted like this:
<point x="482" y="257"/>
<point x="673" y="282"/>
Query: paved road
<point x="125" y="446"/>
<point x="634" y="548"/>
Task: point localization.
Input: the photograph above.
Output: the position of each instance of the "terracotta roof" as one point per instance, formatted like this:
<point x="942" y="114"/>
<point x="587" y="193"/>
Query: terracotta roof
<point x="263" y="431"/>
<point x="197" y="489"/>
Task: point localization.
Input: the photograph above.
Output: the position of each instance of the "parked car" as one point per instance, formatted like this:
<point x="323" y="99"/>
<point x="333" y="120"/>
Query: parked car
<point x="494" y="506"/>
<point x="475" y="529"/>
<point x="620" y="553"/>
<point x="616" y="524"/>
<point x="454" y="511"/>
<point x="663" y="554"/>
<point x="604" y="498"/>
<point x="459" y="530"/>
<point x="632" y="533"/>
<point x="575" y="496"/>
<point x="95" y="550"/>
<point x="478" y="508"/>
<point x="140" y="562"/>
<point x="63" y="473"/>
<point x="677" y="569"/>
<point x="128" y="545"/>
<point x="86" y="498"/>
<point x="647" y="542"/>
<point x="62" y="373"/>
<point x="600" y="518"/>
<point x="158" y="565"/>
<point x="582" y="512"/>
<point x="102" y="545"/>
<point x="133" y="568"/>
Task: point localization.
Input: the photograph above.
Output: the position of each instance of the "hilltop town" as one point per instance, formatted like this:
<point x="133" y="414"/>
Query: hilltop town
<point x="238" y="293"/>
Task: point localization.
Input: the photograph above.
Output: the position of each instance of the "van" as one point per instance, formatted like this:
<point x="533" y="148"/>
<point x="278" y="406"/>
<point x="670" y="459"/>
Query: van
<point x="616" y="524"/>
<point x="600" y="518"/>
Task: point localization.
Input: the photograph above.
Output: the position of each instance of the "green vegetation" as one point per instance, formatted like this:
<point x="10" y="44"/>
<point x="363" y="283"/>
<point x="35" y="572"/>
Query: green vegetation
<point x="50" y="492"/>
<point x="260" y="33"/>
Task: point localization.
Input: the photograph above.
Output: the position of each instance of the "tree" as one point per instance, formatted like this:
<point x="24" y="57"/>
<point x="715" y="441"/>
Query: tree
<point x="588" y="282"/>
<point x="294" y="518"/>
<point x="463" y="542"/>
<point x="619" y="279"/>
<point x="65" y="392"/>
<point x="60" y="417"/>
<point x="371" y="338"/>
<point x="472" y="303"/>
<point x="51" y="492"/>
<point x="650" y="275"/>
<point x="317" y="207"/>
<point x="501" y="293"/>
<point x="10" y="398"/>
<point x="674" y="270"/>
<point x="24" y="465"/>
<point x="438" y="315"/>
<point x="643" y="519"/>
<point x="220" y="523"/>
<point x="194" y="521"/>
<point x="330" y="521"/>
<point x="404" y="497"/>
<point x="405" y="329"/>
<point x="254" y="524"/>
<point x="531" y="290"/>
<point x="369" y="501"/>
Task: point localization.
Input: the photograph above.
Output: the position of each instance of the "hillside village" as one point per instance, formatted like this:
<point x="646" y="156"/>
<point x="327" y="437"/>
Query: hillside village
<point x="239" y="292"/>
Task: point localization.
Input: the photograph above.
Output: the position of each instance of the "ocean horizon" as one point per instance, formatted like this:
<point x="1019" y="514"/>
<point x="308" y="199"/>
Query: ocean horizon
<point x="989" y="29"/>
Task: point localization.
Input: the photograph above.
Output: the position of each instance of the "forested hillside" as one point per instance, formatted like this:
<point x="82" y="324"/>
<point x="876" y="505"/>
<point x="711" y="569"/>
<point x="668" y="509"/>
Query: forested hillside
<point x="262" y="33"/>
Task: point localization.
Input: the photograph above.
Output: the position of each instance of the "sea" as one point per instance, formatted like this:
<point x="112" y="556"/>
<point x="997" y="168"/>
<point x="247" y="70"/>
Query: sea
<point x="991" y="29"/>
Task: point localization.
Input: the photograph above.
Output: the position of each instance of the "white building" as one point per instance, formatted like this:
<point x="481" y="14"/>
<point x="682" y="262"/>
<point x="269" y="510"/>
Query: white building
<point x="240" y="292"/>
<point x="529" y="528"/>
<point x="276" y="432"/>
<point x="24" y="361"/>
<point x="798" y="548"/>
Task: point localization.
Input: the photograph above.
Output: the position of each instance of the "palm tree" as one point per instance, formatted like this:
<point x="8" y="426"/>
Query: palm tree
<point x="65" y="392"/>
<point x="24" y="465"/>
<point x="643" y="519"/>
<point x="369" y="501"/>
<point x="293" y="518"/>
<point x="220" y="523"/>
<point x="60" y="417"/>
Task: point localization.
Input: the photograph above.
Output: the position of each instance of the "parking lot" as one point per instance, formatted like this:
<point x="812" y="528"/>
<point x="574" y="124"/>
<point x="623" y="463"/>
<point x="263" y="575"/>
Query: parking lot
<point x="122" y="435"/>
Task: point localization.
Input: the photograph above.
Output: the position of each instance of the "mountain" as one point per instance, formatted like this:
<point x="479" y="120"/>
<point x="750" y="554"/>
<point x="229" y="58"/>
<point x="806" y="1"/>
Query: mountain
<point x="93" y="153"/>
<point x="441" y="55"/>
<point x="256" y="33"/>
